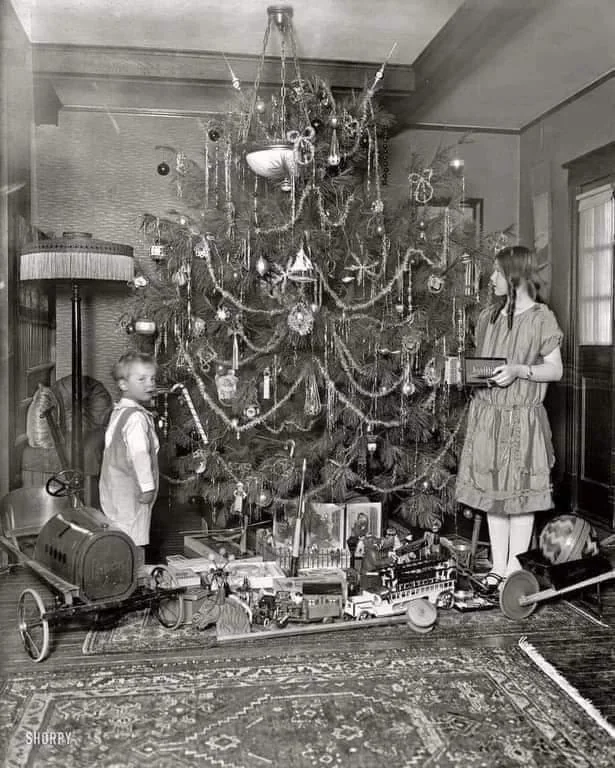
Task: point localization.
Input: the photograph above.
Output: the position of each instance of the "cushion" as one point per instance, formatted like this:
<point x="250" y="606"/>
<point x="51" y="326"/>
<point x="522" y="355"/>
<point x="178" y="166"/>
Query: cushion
<point x="37" y="426"/>
<point x="97" y="403"/>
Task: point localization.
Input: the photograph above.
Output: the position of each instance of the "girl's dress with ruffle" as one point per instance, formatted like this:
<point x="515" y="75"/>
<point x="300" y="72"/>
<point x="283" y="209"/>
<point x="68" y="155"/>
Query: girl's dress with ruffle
<point x="507" y="456"/>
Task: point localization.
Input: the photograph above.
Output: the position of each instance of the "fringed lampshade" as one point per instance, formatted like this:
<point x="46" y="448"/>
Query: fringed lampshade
<point x="76" y="257"/>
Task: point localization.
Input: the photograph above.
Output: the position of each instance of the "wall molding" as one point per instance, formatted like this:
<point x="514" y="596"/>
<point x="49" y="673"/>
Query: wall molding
<point x="571" y="99"/>
<point x="452" y="127"/>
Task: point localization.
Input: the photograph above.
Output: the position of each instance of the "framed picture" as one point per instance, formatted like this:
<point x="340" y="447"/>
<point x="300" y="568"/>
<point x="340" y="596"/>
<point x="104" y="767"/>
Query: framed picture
<point x="323" y="528"/>
<point x="467" y="214"/>
<point x="363" y="519"/>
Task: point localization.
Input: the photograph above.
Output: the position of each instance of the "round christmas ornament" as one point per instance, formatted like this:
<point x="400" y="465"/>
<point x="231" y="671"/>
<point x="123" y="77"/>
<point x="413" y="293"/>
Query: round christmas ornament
<point x="421" y="616"/>
<point x="262" y="266"/>
<point x="163" y="169"/>
<point x="300" y="319"/>
<point x="316" y="124"/>
<point x="408" y="388"/>
<point x="566" y="538"/>
<point x="214" y="133"/>
<point x="264" y="498"/>
<point x="251" y="412"/>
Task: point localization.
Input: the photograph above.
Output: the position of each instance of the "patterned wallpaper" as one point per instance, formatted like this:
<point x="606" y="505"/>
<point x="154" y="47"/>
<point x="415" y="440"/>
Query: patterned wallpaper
<point x="96" y="173"/>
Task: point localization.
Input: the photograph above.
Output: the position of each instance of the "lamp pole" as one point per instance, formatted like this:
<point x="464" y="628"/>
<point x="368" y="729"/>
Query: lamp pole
<point x="77" y="458"/>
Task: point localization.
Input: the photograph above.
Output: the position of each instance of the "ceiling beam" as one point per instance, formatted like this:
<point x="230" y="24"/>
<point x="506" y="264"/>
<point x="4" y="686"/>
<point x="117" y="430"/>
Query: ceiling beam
<point x="148" y="79"/>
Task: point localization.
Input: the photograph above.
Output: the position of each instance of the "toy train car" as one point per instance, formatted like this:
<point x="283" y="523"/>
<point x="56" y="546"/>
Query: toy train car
<point x="81" y="547"/>
<point x="302" y="600"/>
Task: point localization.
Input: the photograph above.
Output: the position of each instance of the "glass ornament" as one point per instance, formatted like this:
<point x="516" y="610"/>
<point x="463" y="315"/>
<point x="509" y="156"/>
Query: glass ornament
<point x="163" y="169"/>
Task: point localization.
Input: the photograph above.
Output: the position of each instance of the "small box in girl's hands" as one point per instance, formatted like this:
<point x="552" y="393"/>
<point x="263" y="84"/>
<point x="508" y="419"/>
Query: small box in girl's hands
<point x="477" y="371"/>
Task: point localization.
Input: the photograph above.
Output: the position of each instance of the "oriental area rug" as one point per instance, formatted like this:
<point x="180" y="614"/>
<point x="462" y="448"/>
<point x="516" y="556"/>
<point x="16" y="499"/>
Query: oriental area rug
<point x="142" y="633"/>
<point x="425" y="707"/>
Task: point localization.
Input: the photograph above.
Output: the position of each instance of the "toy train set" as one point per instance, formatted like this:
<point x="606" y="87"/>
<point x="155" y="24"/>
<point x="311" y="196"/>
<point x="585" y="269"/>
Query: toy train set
<point x="92" y="569"/>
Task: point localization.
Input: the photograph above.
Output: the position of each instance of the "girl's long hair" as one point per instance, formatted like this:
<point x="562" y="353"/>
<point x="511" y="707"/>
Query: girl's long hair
<point x="517" y="263"/>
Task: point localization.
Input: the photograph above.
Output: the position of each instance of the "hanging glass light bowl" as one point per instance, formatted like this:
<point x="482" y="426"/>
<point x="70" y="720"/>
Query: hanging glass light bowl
<point x="274" y="157"/>
<point x="275" y="161"/>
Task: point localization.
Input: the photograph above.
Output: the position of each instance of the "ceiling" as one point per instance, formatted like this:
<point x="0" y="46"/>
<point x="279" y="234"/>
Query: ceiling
<point x="352" y="30"/>
<point x="495" y="64"/>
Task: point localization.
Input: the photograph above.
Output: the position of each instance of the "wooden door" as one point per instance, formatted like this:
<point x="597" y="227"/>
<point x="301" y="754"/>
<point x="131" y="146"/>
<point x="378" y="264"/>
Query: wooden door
<point x="594" y="371"/>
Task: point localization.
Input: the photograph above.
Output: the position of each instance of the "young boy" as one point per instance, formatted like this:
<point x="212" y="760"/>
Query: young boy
<point x="129" y="474"/>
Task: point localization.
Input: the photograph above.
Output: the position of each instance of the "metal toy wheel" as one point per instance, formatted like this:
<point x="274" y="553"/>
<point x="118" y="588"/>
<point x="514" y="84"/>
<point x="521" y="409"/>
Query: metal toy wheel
<point x="65" y="483"/>
<point x="519" y="584"/>
<point x="445" y="599"/>
<point x="33" y="628"/>
<point x="168" y="610"/>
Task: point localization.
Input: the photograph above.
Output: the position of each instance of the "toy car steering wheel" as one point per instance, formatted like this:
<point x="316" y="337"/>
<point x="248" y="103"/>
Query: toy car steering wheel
<point x="65" y="483"/>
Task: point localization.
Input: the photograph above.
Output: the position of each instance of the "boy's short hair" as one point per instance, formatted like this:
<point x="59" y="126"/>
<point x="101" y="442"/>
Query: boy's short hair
<point x="122" y="368"/>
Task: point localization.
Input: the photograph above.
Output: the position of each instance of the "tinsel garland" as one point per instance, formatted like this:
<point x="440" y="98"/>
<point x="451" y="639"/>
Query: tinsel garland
<point x="222" y="415"/>
<point x="354" y="383"/>
<point x="384" y="291"/>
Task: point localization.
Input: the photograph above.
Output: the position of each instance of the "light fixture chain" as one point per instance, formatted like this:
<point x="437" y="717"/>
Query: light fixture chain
<point x="257" y="81"/>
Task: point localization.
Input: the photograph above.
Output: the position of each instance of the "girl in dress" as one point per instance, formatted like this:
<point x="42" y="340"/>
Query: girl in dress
<point x="507" y="456"/>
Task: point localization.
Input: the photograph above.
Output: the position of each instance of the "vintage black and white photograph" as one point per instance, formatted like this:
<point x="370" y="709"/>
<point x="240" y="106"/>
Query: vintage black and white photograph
<point x="307" y="383"/>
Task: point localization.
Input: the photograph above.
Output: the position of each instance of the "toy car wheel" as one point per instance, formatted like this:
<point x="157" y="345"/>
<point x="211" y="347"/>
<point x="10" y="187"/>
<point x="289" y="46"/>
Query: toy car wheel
<point x="445" y="599"/>
<point x="518" y="584"/>
<point x="169" y="610"/>
<point x="363" y="616"/>
<point x="33" y="626"/>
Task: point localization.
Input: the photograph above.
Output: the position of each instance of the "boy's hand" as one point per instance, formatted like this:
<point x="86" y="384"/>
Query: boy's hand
<point x="146" y="497"/>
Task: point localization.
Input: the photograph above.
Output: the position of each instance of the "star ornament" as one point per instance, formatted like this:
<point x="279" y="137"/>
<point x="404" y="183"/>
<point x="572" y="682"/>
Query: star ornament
<point x="363" y="267"/>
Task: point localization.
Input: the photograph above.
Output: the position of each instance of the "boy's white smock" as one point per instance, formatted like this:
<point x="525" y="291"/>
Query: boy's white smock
<point x="129" y="468"/>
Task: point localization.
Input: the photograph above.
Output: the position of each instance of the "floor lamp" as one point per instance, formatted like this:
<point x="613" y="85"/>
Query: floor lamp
<point x="76" y="257"/>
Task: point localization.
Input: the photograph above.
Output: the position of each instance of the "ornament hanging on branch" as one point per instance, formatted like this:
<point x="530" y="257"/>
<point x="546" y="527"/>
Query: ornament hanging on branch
<point x="435" y="284"/>
<point x="301" y="319"/>
<point x="313" y="406"/>
<point x="421" y="189"/>
<point x="226" y="386"/>
<point x="301" y="270"/>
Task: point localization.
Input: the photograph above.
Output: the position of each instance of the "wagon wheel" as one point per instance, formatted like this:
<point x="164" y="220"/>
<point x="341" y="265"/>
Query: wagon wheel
<point x="33" y="628"/>
<point x="518" y="584"/>
<point x="168" y="610"/>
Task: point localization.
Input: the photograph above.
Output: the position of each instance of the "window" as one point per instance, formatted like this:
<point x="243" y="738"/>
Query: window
<point x="596" y="229"/>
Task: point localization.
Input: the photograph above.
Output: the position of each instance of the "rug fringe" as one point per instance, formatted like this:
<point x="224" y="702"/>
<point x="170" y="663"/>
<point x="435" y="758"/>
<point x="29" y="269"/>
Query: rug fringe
<point x="561" y="681"/>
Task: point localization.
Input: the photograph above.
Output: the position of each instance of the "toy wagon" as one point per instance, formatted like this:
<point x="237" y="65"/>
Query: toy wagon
<point x="540" y="580"/>
<point x="89" y="565"/>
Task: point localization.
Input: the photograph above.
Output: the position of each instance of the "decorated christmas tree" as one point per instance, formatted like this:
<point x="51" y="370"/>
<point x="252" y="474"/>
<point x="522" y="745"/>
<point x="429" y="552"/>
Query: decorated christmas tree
<point x="301" y="313"/>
